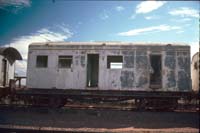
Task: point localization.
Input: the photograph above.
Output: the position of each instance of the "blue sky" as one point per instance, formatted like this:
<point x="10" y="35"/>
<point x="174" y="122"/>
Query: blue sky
<point x="25" y="21"/>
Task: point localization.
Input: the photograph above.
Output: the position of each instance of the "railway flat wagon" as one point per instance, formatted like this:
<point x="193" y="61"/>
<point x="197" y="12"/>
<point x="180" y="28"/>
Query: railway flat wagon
<point x="109" y="66"/>
<point x="154" y="74"/>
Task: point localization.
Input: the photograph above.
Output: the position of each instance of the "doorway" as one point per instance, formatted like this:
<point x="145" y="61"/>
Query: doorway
<point x="4" y="70"/>
<point x="155" y="75"/>
<point x="92" y="70"/>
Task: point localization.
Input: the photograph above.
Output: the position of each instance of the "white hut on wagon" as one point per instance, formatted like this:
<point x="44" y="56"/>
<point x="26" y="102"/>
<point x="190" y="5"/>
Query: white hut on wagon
<point x="109" y="66"/>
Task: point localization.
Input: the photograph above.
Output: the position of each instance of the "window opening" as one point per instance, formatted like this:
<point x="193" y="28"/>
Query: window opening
<point x="42" y="61"/>
<point x="65" y="61"/>
<point x="115" y="62"/>
<point x="155" y="75"/>
<point x="92" y="70"/>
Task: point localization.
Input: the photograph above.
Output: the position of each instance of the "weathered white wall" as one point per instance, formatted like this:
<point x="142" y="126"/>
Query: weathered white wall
<point x="133" y="76"/>
<point x="52" y="76"/>
<point x="9" y="71"/>
<point x="1" y="71"/>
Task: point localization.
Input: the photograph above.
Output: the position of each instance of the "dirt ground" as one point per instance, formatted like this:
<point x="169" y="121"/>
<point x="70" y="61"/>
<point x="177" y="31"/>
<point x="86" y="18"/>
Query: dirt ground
<point x="101" y="120"/>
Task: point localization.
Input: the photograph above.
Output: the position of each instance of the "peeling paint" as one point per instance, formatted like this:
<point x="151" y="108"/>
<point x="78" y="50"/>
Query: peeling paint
<point x="82" y="61"/>
<point x="114" y="84"/>
<point x="171" y="79"/>
<point x="170" y="62"/>
<point x="141" y="53"/>
<point x="170" y="53"/>
<point x="127" y="79"/>
<point x="129" y="61"/>
<point x="184" y="63"/>
<point x="76" y="60"/>
<point x="141" y="62"/>
<point x="142" y="81"/>
<point x="183" y="81"/>
<point x="128" y="52"/>
<point x="182" y="54"/>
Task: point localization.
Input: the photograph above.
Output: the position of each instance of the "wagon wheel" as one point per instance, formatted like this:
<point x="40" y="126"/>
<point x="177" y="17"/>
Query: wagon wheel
<point x="56" y="102"/>
<point x="141" y="104"/>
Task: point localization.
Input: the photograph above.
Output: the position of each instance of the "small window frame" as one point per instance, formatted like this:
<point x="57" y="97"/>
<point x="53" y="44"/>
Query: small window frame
<point x="114" y="62"/>
<point x="67" y="61"/>
<point x="42" y="61"/>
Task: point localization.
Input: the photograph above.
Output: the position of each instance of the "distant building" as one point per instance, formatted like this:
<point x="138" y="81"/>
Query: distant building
<point x="8" y="56"/>
<point x="195" y="72"/>
<point x="109" y="66"/>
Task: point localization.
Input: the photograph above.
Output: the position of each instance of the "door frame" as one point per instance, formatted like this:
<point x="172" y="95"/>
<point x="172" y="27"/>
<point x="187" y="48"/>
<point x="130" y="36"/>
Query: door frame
<point x="87" y="70"/>
<point x="161" y="65"/>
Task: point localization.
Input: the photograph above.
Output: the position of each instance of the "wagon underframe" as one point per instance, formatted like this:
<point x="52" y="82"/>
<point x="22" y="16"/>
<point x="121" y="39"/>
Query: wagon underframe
<point x="142" y="99"/>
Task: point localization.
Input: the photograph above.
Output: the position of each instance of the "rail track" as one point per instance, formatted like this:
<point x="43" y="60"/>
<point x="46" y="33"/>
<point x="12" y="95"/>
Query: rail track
<point x="24" y="119"/>
<point x="31" y="129"/>
<point x="126" y="106"/>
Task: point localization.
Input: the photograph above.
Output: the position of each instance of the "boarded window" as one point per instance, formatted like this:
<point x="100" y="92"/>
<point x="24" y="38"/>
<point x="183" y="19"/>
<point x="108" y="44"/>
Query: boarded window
<point x="64" y="61"/>
<point x="42" y="61"/>
<point x="115" y="62"/>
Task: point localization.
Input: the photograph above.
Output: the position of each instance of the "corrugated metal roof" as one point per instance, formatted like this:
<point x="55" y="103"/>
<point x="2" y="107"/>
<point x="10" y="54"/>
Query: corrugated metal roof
<point x="10" y="53"/>
<point x="196" y="54"/>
